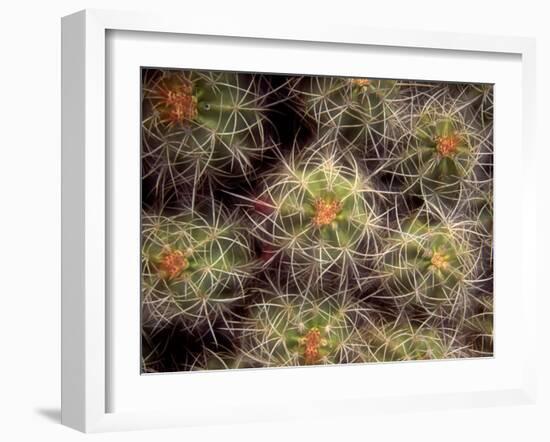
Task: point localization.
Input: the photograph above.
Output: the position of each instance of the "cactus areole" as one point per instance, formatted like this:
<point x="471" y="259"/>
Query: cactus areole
<point x="177" y="103"/>
<point x="172" y="264"/>
<point x="325" y="212"/>
<point x="361" y="82"/>
<point x="439" y="260"/>
<point x="182" y="105"/>
<point x="312" y="343"/>
<point x="447" y="145"/>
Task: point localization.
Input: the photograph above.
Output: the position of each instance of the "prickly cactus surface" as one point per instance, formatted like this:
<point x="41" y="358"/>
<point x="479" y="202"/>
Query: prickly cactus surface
<point x="297" y="220"/>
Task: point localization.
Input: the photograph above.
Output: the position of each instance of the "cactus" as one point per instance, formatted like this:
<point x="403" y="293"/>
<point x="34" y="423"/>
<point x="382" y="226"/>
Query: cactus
<point x="289" y="328"/>
<point x="479" y="327"/>
<point x="397" y="341"/>
<point x="320" y="216"/>
<point x="355" y="111"/>
<point x="310" y="220"/>
<point x="201" y="125"/>
<point x="430" y="264"/>
<point x="479" y="100"/>
<point x="480" y="209"/>
<point x="440" y="159"/>
<point x="195" y="265"/>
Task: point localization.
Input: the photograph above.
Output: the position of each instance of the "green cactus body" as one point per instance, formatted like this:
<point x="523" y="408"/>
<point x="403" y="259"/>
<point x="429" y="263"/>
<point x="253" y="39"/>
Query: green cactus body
<point x="203" y="125"/>
<point x="323" y="218"/>
<point x="405" y="342"/>
<point x="354" y="110"/>
<point x="439" y="158"/>
<point x="195" y="265"/>
<point x="427" y="265"/>
<point x="290" y="330"/>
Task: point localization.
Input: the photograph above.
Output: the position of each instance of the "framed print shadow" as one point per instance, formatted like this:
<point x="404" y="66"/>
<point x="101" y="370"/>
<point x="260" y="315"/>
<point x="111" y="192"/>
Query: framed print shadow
<point x="303" y="220"/>
<point x="252" y="215"/>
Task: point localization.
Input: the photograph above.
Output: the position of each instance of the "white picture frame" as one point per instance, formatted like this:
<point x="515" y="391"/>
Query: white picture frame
<point x="89" y="172"/>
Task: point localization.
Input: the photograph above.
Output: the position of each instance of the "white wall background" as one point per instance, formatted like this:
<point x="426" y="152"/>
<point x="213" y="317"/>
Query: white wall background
<point x="30" y="214"/>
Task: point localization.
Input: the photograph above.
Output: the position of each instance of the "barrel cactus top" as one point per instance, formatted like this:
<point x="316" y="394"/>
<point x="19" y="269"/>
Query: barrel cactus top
<point x="290" y="329"/>
<point x="353" y="110"/>
<point x="194" y="264"/>
<point x="199" y="125"/>
<point x="429" y="264"/>
<point x="318" y="212"/>
<point x="439" y="161"/>
<point x="396" y="341"/>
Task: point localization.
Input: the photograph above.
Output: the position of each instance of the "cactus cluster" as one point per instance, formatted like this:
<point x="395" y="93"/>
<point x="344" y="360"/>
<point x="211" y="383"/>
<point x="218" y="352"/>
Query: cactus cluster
<point x="309" y="220"/>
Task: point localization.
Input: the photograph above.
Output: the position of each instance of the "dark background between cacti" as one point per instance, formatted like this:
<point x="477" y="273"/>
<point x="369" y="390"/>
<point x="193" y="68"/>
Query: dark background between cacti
<point x="176" y="346"/>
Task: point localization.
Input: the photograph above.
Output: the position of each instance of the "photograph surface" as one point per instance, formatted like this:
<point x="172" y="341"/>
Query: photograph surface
<point x="297" y="220"/>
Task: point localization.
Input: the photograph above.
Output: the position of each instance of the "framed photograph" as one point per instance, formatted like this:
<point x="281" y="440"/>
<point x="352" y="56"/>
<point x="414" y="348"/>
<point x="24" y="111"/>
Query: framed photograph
<point x="252" y="215"/>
